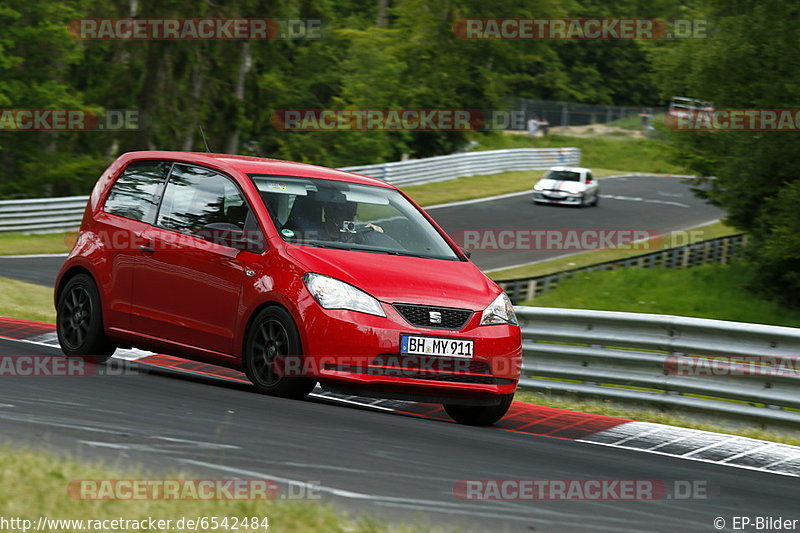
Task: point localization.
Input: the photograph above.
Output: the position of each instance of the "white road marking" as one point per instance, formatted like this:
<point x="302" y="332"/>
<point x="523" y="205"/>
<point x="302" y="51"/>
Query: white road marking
<point x="645" y="200"/>
<point x="764" y="446"/>
<point x="712" y="445"/>
<point x="200" y="444"/>
<point x="709" y="461"/>
<point x="500" y="196"/>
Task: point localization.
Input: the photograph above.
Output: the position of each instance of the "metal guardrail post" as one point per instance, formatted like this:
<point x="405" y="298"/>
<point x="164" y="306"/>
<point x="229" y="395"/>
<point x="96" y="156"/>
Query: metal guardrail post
<point x="718" y="250"/>
<point x="648" y="359"/>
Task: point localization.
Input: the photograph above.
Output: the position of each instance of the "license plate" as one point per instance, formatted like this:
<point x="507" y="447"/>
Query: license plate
<point x="418" y="345"/>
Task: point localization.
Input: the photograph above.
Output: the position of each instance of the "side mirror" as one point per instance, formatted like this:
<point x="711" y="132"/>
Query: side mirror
<point x="466" y="252"/>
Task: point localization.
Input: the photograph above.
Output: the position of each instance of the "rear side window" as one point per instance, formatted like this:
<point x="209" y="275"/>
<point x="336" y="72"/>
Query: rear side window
<point x="135" y="194"/>
<point x="196" y="197"/>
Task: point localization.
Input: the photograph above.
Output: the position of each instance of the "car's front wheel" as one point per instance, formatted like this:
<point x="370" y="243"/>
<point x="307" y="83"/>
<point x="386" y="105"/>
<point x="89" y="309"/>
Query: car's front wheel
<point x="79" y="320"/>
<point x="479" y="415"/>
<point x="272" y="356"/>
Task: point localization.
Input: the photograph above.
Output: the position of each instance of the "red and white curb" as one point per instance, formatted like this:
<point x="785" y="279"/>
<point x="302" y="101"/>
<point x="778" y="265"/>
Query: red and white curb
<point x="660" y="439"/>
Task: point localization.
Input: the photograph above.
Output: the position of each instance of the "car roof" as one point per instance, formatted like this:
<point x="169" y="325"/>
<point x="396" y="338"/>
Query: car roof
<point x="571" y="169"/>
<point x="256" y="165"/>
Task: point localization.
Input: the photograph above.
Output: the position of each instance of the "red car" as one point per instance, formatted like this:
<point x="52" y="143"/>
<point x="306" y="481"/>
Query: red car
<point x="292" y="273"/>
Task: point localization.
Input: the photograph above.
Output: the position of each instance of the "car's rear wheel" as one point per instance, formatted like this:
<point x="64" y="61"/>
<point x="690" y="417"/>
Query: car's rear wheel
<point x="479" y="415"/>
<point x="272" y="356"/>
<point x="79" y="320"/>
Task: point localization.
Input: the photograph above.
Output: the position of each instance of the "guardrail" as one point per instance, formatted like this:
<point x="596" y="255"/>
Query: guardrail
<point x="447" y="167"/>
<point x="663" y="360"/>
<point x="42" y="215"/>
<point x="61" y="214"/>
<point x="718" y="250"/>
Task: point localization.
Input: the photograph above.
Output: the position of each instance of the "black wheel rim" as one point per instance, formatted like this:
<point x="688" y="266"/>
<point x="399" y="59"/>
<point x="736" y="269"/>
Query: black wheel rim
<point x="270" y="348"/>
<point x="76" y="317"/>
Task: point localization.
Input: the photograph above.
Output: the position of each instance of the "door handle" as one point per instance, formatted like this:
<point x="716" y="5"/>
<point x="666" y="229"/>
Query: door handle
<point x="147" y="248"/>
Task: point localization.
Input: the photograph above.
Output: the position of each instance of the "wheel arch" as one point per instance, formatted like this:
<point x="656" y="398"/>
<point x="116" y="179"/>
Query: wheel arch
<point x="255" y="312"/>
<point x="68" y="275"/>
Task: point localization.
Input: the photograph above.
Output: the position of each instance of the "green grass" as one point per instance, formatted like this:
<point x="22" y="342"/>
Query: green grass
<point x="708" y="291"/>
<point x="35" y="484"/>
<point x="677" y="238"/>
<point x="644" y="413"/>
<point x="26" y="300"/>
<point x="639" y="155"/>
<point x="50" y="243"/>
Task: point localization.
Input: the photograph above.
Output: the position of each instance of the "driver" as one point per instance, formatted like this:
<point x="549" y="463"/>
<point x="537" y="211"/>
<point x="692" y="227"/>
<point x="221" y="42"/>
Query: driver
<point x="340" y="221"/>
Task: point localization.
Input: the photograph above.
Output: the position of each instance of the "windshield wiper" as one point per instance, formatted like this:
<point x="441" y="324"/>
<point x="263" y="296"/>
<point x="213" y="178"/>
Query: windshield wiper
<point x="394" y="252"/>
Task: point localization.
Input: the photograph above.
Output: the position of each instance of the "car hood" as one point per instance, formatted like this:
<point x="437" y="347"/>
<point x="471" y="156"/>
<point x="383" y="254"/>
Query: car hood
<point x="400" y="279"/>
<point x="572" y="187"/>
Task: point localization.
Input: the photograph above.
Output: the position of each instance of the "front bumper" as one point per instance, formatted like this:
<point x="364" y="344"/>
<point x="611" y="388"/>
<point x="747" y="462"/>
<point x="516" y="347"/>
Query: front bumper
<point x="544" y="198"/>
<point x="347" y="350"/>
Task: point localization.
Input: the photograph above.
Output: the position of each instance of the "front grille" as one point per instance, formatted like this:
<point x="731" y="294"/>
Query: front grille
<point x="428" y="316"/>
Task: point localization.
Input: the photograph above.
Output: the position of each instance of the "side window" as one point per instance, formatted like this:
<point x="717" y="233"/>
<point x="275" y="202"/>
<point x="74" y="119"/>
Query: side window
<point x="134" y="195"/>
<point x="196" y="197"/>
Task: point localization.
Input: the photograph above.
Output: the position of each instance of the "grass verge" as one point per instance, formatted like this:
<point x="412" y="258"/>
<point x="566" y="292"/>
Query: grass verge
<point x="49" y="243"/>
<point x="644" y="155"/>
<point x="649" y="414"/>
<point x="676" y="238"/>
<point x="26" y="300"/>
<point x="708" y="291"/>
<point x="35" y="485"/>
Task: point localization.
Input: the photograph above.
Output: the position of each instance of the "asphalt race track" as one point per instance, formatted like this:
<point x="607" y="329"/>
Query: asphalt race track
<point x="644" y="203"/>
<point x="383" y="463"/>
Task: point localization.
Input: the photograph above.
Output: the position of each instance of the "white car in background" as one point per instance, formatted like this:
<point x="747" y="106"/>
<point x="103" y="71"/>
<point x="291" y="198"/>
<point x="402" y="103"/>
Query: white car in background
<point x="568" y="186"/>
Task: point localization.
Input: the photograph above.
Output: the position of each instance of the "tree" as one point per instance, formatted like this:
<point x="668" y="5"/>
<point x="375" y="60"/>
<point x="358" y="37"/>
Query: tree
<point x="748" y="63"/>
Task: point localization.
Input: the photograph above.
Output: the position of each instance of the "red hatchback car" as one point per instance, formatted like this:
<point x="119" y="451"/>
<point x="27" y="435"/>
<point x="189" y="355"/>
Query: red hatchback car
<point x="292" y="273"/>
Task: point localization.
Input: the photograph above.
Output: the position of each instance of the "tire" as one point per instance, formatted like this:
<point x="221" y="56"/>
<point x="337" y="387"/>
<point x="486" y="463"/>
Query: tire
<point x="596" y="200"/>
<point x="480" y="415"/>
<point x="271" y="338"/>
<point x="79" y="321"/>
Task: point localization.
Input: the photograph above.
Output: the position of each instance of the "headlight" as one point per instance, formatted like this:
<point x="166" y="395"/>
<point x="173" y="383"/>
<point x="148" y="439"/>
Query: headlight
<point x="500" y="311"/>
<point x="334" y="294"/>
<point x="538" y="187"/>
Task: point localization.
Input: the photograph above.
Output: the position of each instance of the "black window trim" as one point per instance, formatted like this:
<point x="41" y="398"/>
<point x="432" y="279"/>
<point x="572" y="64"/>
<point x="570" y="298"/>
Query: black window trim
<point x="163" y="189"/>
<point x="157" y="196"/>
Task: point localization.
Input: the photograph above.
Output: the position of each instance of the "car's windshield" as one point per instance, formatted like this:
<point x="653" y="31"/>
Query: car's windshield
<point x="337" y="214"/>
<point x="563" y="175"/>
